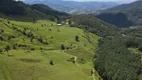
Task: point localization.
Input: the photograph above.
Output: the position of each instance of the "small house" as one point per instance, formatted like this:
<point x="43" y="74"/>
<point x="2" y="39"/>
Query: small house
<point x="58" y="24"/>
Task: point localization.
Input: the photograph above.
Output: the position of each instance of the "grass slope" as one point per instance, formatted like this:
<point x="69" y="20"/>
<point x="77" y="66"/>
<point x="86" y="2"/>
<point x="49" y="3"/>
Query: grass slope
<point x="23" y="63"/>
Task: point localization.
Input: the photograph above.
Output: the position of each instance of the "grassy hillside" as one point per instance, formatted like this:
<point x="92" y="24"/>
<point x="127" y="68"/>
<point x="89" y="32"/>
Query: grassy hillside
<point x="44" y="51"/>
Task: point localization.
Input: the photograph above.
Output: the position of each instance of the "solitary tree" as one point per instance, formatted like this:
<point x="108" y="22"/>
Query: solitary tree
<point x="51" y="62"/>
<point x="62" y="47"/>
<point x="14" y="46"/>
<point x="77" y="38"/>
<point x="7" y="49"/>
<point x="41" y="49"/>
<point x="1" y="50"/>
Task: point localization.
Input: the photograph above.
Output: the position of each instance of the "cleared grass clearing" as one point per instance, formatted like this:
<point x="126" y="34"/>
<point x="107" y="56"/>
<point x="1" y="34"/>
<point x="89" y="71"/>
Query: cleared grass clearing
<point x="134" y="50"/>
<point x="26" y="64"/>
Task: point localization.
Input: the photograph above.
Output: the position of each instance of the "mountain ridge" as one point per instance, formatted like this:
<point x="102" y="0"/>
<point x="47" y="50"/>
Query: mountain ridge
<point x="132" y="12"/>
<point x="75" y="7"/>
<point x="21" y="11"/>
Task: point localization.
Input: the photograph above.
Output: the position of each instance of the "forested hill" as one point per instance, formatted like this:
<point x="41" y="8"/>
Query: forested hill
<point x="94" y="25"/>
<point x="119" y="57"/>
<point x="131" y="11"/>
<point x="18" y="10"/>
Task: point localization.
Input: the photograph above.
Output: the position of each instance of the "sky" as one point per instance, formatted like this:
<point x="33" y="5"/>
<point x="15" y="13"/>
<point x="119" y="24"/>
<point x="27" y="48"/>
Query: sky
<point x="106" y="0"/>
<point x="124" y="1"/>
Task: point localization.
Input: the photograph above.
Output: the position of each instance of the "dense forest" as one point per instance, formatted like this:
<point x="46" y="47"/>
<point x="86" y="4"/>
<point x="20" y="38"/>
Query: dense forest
<point x="119" y="57"/>
<point x="118" y="19"/>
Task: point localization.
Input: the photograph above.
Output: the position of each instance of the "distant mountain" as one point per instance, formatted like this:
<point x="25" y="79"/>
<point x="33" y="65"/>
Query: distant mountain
<point x="18" y="10"/>
<point x="131" y="11"/>
<point x="75" y="7"/>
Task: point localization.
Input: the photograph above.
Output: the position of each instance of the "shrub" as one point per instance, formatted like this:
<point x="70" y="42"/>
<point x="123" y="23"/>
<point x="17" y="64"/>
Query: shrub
<point x="81" y="61"/>
<point x="30" y="60"/>
<point x="40" y="40"/>
<point x="7" y="48"/>
<point x="1" y="31"/>
<point x="62" y="47"/>
<point x="71" y="60"/>
<point x="14" y="46"/>
<point x="51" y="62"/>
<point x="32" y="49"/>
<point x="1" y="50"/>
<point x="1" y="38"/>
<point x="77" y="38"/>
<point x="41" y="49"/>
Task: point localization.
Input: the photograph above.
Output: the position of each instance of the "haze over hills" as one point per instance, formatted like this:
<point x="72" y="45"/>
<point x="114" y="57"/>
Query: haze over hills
<point x="41" y="43"/>
<point x="75" y="7"/>
<point x="131" y="12"/>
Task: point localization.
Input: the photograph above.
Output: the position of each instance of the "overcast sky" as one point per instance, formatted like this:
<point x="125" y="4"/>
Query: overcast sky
<point x="128" y="1"/>
<point x="106" y="0"/>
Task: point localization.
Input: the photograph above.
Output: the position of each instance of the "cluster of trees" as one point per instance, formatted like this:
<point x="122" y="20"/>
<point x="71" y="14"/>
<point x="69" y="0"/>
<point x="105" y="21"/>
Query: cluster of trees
<point x="31" y="35"/>
<point x="134" y="31"/>
<point x="1" y="31"/>
<point x="94" y="25"/>
<point x="114" y="61"/>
